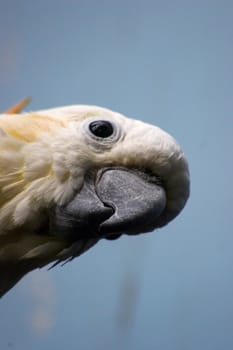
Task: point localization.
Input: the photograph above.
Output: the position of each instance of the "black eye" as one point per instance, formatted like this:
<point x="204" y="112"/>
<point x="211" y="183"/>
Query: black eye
<point x="101" y="128"/>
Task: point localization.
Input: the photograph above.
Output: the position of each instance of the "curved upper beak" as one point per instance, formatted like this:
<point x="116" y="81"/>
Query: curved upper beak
<point x="136" y="201"/>
<point x="114" y="202"/>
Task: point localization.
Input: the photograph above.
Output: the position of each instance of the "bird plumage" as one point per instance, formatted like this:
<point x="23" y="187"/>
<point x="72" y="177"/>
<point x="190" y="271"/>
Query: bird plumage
<point x="44" y="160"/>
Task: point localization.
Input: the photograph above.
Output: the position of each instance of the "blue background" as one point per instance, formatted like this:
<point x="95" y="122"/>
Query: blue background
<point x="169" y="63"/>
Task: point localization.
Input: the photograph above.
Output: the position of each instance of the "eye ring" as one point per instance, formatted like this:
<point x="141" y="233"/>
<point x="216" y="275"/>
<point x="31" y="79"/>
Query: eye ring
<point x="101" y="128"/>
<point x="112" y="134"/>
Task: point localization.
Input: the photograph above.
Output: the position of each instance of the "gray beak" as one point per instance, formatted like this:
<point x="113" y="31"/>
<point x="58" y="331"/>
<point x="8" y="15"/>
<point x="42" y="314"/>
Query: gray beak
<point x="136" y="201"/>
<point x="113" y="202"/>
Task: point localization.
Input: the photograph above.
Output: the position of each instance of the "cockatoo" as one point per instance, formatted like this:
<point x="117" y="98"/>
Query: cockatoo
<point x="70" y="176"/>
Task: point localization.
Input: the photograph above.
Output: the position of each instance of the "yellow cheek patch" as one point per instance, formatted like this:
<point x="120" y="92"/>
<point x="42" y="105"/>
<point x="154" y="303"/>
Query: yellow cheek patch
<point x="29" y="127"/>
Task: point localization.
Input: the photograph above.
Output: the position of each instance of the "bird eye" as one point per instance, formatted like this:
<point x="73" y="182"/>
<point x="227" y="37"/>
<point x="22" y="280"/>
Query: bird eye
<point x="101" y="128"/>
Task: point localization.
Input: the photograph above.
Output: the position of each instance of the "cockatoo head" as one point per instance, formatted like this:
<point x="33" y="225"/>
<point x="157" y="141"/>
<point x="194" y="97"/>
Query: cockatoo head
<point x="111" y="174"/>
<point x="71" y="176"/>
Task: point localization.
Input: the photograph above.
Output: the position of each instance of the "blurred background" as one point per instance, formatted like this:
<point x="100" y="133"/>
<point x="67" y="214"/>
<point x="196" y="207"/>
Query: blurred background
<point x="168" y="63"/>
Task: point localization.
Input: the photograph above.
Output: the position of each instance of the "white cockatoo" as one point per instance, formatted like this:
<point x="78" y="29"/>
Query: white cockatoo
<point x="71" y="176"/>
